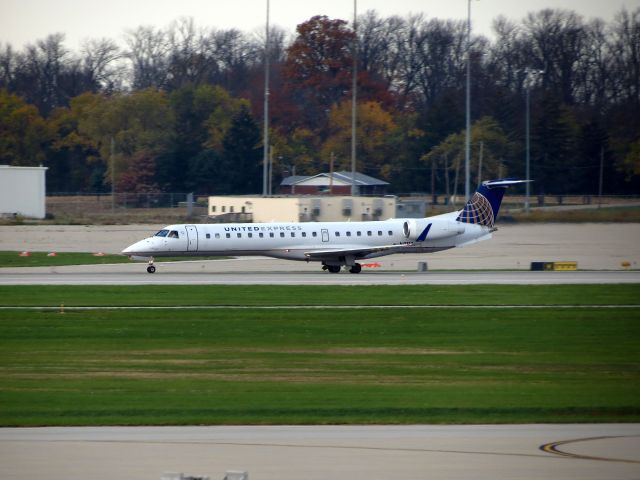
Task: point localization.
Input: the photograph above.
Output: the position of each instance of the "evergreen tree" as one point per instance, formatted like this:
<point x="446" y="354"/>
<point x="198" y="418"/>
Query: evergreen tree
<point x="553" y="147"/>
<point x="239" y="169"/>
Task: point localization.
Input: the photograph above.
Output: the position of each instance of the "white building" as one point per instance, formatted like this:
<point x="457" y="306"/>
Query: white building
<point x="22" y="191"/>
<point x="301" y="209"/>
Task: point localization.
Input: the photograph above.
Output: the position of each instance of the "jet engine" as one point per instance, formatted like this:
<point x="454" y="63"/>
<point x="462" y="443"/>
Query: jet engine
<point x="420" y="230"/>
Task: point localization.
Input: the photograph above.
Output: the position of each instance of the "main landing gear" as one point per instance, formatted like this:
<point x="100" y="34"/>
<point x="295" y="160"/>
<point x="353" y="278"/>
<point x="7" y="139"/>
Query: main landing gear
<point x="355" y="268"/>
<point x="151" y="268"/>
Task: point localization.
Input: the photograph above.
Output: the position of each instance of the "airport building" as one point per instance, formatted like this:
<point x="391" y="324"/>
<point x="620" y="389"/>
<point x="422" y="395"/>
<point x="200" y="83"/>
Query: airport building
<point x="22" y="191"/>
<point x="301" y="208"/>
<point x="325" y="197"/>
<point x="335" y="183"/>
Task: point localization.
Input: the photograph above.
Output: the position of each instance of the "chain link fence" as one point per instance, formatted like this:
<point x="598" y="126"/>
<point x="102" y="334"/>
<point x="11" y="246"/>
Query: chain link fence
<point x="124" y="207"/>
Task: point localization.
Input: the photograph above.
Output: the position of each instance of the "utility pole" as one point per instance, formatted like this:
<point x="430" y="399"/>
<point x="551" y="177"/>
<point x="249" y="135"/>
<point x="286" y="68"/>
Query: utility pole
<point x="265" y="136"/>
<point x="601" y="176"/>
<point x="480" y="163"/>
<point x="113" y="175"/>
<point x="332" y="159"/>
<point x="270" y="183"/>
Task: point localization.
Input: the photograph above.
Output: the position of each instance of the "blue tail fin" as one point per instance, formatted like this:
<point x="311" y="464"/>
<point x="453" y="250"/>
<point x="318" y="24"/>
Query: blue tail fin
<point x="482" y="208"/>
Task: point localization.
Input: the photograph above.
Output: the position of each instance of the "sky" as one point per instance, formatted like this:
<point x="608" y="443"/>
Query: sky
<point x="25" y="21"/>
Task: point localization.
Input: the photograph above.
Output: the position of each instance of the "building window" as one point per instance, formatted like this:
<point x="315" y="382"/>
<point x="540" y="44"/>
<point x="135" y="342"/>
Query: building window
<point x="224" y="209"/>
<point x="213" y="209"/>
<point x="231" y="209"/>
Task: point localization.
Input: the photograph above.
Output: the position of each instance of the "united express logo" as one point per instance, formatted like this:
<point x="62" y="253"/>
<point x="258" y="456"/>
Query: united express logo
<point x="270" y="228"/>
<point x="478" y="211"/>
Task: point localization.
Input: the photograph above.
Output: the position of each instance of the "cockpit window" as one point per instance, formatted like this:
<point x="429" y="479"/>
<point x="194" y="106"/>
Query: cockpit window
<point x="173" y="234"/>
<point x="162" y="233"/>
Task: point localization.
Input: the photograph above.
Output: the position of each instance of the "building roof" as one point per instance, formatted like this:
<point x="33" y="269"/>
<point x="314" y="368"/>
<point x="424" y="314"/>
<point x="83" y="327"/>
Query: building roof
<point x="292" y="180"/>
<point x="343" y="177"/>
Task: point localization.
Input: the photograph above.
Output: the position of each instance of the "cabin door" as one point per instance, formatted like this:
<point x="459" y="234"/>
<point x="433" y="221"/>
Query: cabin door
<point x="192" y="238"/>
<point x="325" y="235"/>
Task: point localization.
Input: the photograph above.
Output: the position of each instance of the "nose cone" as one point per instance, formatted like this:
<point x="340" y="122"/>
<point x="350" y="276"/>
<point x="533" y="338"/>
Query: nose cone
<point x="128" y="250"/>
<point x="139" y="248"/>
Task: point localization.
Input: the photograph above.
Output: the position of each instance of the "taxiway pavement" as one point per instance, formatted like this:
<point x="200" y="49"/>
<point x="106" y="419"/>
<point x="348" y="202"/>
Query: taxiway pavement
<point x="321" y="452"/>
<point x="204" y="273"/>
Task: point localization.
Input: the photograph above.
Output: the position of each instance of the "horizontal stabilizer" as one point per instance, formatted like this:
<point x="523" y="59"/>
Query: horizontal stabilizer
<point x="507" y="182"/>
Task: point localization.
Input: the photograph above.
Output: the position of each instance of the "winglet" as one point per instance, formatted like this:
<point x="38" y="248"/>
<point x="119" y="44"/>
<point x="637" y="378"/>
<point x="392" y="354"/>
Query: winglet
<point x="482" y="208"/>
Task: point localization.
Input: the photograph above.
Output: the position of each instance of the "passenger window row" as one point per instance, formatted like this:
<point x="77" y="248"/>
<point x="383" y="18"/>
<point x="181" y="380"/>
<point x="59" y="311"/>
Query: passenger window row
<point x="369" y="233"/>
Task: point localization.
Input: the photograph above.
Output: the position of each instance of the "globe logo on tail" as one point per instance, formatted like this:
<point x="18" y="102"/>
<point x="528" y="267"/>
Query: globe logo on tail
<point x="478" y="211"/>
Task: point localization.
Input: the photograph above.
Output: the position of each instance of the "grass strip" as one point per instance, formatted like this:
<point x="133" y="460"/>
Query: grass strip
<point x="259" y="295"/>
<point x="61" y="259"/>
<point x="42" y="259"/>
<point x="311" y="366"/>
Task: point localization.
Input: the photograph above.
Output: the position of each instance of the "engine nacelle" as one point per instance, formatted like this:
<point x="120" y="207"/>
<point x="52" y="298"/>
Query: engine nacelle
<point x="413" y="228"/>
<point x="423" y="229"/>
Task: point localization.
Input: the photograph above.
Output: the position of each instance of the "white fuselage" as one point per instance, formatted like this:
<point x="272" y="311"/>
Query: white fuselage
<point x="329" y="242"/>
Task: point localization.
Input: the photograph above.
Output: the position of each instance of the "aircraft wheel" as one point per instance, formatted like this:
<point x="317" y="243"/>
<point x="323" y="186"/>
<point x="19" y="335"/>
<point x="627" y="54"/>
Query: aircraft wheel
<point x="333" y="268"/>
<point x="357" y="268"/>
<point x="151" y="269"/>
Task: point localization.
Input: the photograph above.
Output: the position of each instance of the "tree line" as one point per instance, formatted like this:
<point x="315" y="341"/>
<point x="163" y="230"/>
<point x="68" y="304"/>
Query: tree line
<point x="180" y="108"/>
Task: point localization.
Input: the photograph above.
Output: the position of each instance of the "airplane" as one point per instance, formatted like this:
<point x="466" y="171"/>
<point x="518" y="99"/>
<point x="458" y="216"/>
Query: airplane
<point x="335" y="244"/>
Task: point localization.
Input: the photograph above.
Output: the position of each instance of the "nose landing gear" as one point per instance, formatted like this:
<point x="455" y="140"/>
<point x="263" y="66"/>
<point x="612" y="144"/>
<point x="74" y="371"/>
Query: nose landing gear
<point x="151" y="268"/>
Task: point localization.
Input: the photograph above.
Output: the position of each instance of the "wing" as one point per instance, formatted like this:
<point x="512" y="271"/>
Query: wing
<point x="357" y="252"/>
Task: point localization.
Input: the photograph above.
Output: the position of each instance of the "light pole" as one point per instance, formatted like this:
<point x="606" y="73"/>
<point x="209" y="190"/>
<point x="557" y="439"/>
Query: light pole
<point x="354" y="98"/>
<point x="528" y="82"/>
<point x="467" y="136"/>
<point x="527" y="144"/>
<point x="265" y="137"/>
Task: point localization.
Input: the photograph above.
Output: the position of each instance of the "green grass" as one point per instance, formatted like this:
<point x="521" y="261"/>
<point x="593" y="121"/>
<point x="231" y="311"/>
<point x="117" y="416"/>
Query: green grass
<point x="42" y="259"/>
<point x="319" y="366"/>
<point x="248" y="295"/>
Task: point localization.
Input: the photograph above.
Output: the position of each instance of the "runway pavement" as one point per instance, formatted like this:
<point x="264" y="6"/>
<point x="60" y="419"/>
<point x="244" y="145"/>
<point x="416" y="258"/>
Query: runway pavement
<point x="513" y="247"/>
<point x="321" y="452"/>
<point x="185" y="274"/>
